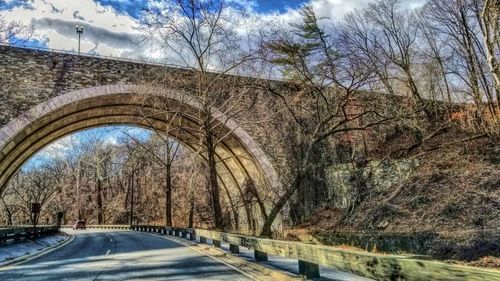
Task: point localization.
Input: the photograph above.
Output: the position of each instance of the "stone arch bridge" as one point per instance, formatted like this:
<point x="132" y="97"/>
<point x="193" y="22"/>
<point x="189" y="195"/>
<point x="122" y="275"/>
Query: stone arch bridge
<point x="45" y="95"/>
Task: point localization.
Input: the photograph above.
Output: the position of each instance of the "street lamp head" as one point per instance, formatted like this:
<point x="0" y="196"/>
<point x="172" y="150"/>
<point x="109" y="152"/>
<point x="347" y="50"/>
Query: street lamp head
<point x="79" y="31"/>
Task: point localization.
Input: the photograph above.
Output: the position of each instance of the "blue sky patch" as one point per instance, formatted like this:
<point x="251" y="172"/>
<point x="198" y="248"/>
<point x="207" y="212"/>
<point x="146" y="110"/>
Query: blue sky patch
<point x="134" y="7"/>
<point x="11" y="4"/>
<point x="31" y="43"/>
<point x="131" y="7"/>
<point x="265" y="6"/>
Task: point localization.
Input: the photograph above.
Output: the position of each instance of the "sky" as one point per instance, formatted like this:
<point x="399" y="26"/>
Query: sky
<point x="111" y="27"/>
<point x="108" y="135"/>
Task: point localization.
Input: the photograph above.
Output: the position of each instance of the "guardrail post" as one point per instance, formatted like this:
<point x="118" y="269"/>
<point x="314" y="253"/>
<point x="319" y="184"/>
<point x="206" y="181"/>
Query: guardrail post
<point x="260" y="256"/>
<point x="308" y="269"/>
<point x="216" y="243"/>
<point x="192" y="236"/>
<point x="203" y="239"/>
<point x="235" y="249"/>
<point x="17" y="236"/>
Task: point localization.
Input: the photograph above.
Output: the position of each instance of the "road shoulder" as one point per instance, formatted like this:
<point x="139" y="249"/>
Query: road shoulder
<point x="8" y="264"/>
<point x="250" y="269"/>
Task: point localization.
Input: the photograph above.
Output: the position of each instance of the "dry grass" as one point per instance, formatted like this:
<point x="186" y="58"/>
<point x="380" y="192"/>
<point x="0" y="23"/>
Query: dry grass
<point x="454" y="193"/>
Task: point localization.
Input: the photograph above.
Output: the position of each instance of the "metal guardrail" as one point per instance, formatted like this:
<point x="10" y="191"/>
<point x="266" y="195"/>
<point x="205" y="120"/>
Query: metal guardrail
<point x="17" y="233"/>
<point x="310" y="256"/>
<point x="111" y="226"/>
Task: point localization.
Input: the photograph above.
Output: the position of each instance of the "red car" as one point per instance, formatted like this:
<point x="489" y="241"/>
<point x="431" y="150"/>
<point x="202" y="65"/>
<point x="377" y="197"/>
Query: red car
<point x="79" y="225"/>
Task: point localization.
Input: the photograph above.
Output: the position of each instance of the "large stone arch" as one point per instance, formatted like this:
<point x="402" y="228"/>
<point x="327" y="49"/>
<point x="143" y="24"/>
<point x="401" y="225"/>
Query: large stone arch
<point x="240" y="157"/>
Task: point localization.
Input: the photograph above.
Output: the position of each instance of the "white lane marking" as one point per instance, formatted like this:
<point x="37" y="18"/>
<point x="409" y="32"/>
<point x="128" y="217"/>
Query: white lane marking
<point x="107" y="253"/>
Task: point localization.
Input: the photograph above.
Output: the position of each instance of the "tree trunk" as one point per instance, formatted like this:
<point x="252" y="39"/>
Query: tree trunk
<point x="132" y="199"/>
<point x="212" y="182"/>
<point x="8" y="212"/>
<point x="100" y="217"/>
<point x="267" y="227"/>
<point x="191" y="211"/>
<point x="168" y="197"/>
<point x="490" y="31"/>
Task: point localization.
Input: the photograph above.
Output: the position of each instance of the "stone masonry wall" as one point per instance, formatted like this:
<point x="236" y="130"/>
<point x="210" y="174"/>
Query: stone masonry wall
<point x="381" y="177"/>
<point x="29" y="77"/>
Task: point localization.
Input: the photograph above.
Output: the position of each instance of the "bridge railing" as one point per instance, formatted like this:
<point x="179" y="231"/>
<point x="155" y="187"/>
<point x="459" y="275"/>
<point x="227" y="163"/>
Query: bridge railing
<point x="311" y="256"/>
<point x="17" y="233"/>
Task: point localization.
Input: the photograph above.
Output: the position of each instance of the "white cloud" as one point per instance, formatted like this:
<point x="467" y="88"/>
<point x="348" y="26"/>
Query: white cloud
<point x="336" y="9"/>
<point x="109" y="32"/>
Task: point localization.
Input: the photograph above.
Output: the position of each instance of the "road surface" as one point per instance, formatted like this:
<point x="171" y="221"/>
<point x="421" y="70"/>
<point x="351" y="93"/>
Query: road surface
<point x="121" y="255"/>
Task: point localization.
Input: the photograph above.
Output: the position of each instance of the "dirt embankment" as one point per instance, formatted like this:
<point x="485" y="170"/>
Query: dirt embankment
<point x="454" y="196"/>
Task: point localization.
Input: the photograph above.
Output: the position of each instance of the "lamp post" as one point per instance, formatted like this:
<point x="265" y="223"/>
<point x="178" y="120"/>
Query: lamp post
<point x="79" y="31"/>
<point x="78" y="189"/>
<point x="132" y="199"/>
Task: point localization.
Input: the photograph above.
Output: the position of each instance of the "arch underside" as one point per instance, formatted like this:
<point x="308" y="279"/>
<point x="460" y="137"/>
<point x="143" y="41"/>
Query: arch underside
<point x="21" y="139"/>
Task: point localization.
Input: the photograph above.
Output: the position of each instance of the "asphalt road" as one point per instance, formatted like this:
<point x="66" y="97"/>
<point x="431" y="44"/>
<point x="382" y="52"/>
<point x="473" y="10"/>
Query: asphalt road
<point x="121" y="255"/>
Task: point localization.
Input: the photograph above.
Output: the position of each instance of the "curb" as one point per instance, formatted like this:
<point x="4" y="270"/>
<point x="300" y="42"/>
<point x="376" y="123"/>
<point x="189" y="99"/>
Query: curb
<point x="250" y="269"/>
<point x="19" y="260"/>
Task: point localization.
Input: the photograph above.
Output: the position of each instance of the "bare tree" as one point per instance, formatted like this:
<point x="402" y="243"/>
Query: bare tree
<point x="396" y="35"/>
<point x="164" y="150"/>
<point x="11" y="208"/>
<point x="39" y="186"/>
<point x="201" y="35"/>
<point x="436" y="57"/>
<point x="457" y="22"/>
<point x="11" y="32"/>
<point x="322" y="99"/>
<point x="490" y="27"/>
